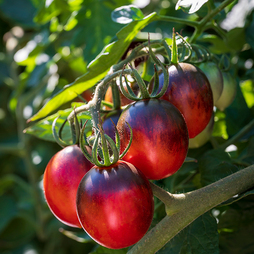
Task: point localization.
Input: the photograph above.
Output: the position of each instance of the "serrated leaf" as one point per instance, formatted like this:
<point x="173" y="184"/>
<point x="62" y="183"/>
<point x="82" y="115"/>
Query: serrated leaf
<point x="190" y="5"/>
<point x="43" y="128"/>
<point x="126" y="14"/>
<point x="97" y="69"/>
<point x="215" y="165"/>
<point x="200" y="237"/>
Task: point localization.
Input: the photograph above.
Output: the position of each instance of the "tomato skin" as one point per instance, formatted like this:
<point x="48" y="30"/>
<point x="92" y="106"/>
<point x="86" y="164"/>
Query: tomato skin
<point x="115" y="205"/>
<point x="189" y="90"/>
<point x="228" y="93"/>
<point x="61" y="179"/>
<point x="160" y="137"/>
<point x="214" y="75"/>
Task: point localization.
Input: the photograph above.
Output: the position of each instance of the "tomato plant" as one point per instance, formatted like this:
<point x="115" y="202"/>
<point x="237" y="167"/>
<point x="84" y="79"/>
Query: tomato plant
<point x="115" y="205"/>
<point x="60" y="182"/>
<point x="49" y="55"/>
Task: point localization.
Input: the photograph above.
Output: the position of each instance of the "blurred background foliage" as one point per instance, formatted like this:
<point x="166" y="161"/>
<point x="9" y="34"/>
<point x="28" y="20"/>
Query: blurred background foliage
<point x="46" y="45"/>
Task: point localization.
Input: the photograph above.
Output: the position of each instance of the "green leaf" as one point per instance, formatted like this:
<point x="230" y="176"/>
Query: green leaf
<point x="237" y="114"/>
<point x="215" y="165"/>
<point x="126" y="14"/>
<point x="97" y="14"/>
<point x="190" y="6"/>
<point x="43" y="128"/>
<point x="236" y="227"/>
<point x="98" y="68"/>
<point x="247" y="88"/>
<point x="200" y="237"/>
<point x="234" y="42"/>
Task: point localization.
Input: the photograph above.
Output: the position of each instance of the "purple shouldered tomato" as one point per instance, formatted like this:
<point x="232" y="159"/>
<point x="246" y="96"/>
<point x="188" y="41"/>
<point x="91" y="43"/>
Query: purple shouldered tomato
<point x="160" y="137"/>
<point x="115" y="205"/>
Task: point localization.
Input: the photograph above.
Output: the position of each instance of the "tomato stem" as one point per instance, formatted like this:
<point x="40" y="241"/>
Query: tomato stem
<point x="174" y="55"/>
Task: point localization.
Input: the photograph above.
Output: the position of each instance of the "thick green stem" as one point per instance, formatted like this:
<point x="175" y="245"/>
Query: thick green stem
<point x="189" y="206"/>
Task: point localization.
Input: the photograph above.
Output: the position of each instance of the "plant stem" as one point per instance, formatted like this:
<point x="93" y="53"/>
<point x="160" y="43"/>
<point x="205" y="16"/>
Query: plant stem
<point x="201" y="26"/>
<point x="190" y="206"/>
<point x="178" y="20"/>
<point x="237" y="136"/>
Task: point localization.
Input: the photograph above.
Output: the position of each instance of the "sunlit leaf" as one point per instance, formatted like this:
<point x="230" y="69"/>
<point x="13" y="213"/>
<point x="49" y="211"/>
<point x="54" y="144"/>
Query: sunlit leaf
<point x="98" y="68"/>
<point x="43" y="128"/>
<point x="191" y="6"/>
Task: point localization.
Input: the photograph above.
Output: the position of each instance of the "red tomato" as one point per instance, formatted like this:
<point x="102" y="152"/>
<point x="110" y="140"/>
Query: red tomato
<point x="61" y="179"/>
<point x="189" y="90"/>
<point x="160" y="137"/>
<point x="115" y="205"/>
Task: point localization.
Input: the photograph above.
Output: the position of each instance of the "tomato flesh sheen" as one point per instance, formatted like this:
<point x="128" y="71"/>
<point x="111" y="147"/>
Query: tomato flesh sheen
<point x="160" y="137"/>
<point x="61" y="179"/>
<point x="189" y="90"/>
<point x="115" y="205"/>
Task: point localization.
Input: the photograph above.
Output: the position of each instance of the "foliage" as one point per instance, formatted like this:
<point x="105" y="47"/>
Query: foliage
<point x="53" y="51"/>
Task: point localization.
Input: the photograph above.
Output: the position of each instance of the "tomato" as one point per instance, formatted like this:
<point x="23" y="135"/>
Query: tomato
<point x="214" y="75"/>
<point x="189" y="90"/>
<point x="203" y="136"/>
<point x="108" y="126"/>
<point x="228" y="93"/>
<point x="61" y="179"/>
<point x="160" y="137"/>
<point x="115" y="205"/>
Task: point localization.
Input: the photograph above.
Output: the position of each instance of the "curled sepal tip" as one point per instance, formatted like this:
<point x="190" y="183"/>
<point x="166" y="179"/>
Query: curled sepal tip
<point x="57" y="135"/>
<point x="129" y="144"/>
<point x="83" y="143"/>
<point x="155" y="94"/>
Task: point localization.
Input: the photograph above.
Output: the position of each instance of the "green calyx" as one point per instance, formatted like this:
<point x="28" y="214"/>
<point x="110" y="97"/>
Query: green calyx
<point x="75" y="131"/>
<point x="105" y="151"/>
<point x="144" y="91"/>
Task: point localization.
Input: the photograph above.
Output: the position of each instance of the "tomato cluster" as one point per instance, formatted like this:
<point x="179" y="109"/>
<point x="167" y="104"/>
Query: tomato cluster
<point x="106" y="190"/>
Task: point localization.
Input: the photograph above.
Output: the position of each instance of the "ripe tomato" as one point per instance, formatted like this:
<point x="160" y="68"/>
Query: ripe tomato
<point x="189" y="90"/>
<point x="61" y="179"/>
<point x="214" y="75"/>
<point x="108" y="126"/>
<point x="228" y="93"/>
<point x="160" y="137"/>
<point x="115" y="205"/>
